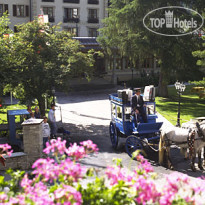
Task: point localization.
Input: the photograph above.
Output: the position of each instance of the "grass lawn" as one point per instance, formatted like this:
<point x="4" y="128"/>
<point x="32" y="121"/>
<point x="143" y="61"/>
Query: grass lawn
<point x="3" y="112"/>
<point x="191" y="106"/>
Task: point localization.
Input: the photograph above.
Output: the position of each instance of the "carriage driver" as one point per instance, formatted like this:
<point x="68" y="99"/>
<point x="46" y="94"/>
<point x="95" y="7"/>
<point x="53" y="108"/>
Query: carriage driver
<point x="138" y="105"/>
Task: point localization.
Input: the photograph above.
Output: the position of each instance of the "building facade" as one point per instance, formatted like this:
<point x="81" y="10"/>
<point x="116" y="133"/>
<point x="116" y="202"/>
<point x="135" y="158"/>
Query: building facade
<point x="83" y="18"/>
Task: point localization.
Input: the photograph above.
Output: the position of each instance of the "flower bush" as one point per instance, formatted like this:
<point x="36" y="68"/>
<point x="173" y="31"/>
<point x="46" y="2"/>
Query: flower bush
<point x="5" y="149"/>
<point x="59" y="179"/>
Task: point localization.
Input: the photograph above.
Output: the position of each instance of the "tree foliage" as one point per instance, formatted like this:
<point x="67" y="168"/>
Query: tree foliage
<point x="125" y="31"/>
<point x="42" y="57"/>
<point x="200" y="54"/>
<point x="4" y="22"/>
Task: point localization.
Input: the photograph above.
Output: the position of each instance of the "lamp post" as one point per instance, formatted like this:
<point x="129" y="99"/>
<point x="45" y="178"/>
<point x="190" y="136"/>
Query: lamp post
<point x="53" y="93"/>
<point x="180" y="87"/>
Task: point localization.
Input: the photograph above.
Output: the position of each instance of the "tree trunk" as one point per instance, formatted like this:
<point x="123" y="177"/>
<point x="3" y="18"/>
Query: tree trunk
<point x="41" y="103"/>
<point x="162" y="87"/>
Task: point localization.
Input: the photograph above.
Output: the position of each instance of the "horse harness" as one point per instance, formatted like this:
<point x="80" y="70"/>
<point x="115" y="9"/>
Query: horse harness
<point x="190" y="142"/>
<point x="190" y="139"/>
<point x="199" y="131"/>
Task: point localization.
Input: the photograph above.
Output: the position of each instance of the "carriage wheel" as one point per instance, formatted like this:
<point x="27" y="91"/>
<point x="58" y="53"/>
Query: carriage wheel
<point x="113" y="135"/>
<point x="132" y="144"/>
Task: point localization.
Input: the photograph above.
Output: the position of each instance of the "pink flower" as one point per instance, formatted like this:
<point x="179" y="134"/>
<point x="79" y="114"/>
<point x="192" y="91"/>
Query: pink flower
<point x="3" y="197"/>
<point x="116" y="174"/>
<point x="26" y="183"/>
<point x="76" y="152"/>
<point x="5" y="149"/>
<point x="71" y="171"/>
<point x="144" y="164"/>
<point x="68" y="195"/>
<point x="89" y="146"/>
<point x="56" y="147"/>
<point x="177" y="186"/>
<point x="38" y="193"/>
<point x="145" y="190"/>
<point x="47" y="169"/>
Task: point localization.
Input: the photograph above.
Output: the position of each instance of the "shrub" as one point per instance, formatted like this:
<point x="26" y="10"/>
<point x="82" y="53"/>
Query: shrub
<point x="58" y="179"/>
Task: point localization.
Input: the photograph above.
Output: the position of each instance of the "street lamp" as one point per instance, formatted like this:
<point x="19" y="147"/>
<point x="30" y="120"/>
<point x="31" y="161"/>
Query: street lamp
<point x="180" y="87"/>
<point x="53" y="93"/>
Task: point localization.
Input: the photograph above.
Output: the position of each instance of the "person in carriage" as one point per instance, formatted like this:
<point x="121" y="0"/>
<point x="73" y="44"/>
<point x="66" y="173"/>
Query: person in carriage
<point x="137" y="104"/>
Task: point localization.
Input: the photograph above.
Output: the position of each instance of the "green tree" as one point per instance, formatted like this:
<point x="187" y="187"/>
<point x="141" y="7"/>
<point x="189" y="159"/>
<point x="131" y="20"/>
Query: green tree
<point x="4" y="22"/>
<point x="200" y="54"/>
<point x="43" y="57"/>
<point x="125" y="31"/>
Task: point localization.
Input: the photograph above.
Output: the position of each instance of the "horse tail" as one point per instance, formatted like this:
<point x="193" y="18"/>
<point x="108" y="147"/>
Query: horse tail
<point x="161" y="148"/>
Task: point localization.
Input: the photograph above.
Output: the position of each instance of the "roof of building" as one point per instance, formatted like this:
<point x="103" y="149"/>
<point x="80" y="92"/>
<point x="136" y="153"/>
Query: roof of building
<point x="88" y="43"/>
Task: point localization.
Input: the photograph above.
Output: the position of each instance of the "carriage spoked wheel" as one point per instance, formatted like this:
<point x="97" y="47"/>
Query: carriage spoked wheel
<point x="113" y="135"/>
<point x="133" y="144"/>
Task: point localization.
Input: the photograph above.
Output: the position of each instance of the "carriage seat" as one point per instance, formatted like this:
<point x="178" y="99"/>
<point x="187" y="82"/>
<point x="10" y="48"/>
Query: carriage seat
<point x="150" y="119"/>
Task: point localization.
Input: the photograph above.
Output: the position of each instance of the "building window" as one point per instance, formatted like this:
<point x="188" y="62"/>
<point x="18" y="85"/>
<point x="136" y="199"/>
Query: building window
<point x="148" y="63"/>
<point x="93" y="16"/>
<point x="20" y="10"/>
<point x="71" y="15"/>
<point x="71" y="1"/>
<point x="3" y="8"/>
<point x="93" y="1"/>
<point x="72" y="30"/>
<point x="50" y="12"/>
<point x="92" y="32"/>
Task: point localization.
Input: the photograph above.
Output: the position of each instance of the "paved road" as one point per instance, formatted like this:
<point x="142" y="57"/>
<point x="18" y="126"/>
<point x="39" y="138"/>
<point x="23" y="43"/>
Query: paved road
<point x="87" y="116"/>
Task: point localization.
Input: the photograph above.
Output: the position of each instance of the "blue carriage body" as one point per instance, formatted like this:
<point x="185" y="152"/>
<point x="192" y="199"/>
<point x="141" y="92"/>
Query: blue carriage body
<point x="124" y="122"/>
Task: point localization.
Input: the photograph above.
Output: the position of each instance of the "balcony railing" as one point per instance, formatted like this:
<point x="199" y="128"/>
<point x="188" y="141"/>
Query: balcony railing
<point x="72" y="1"/>
<point x="70" y="20"/>
<point x="93" y="20"/>
<point x="93" y="1"/>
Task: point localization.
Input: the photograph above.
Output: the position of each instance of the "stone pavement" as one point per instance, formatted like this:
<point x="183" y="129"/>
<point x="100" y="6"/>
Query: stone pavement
<point x="87" y="116"/>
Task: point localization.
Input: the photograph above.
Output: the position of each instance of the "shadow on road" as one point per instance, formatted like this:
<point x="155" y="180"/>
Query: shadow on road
<point x="99" y="134"/>
<point x="90" y="116"/>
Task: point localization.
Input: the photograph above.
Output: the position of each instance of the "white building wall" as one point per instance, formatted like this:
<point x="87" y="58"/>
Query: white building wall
<point x="59" y="6"/>
<point x="15" y="20"/>
<point x="83" y="7"/>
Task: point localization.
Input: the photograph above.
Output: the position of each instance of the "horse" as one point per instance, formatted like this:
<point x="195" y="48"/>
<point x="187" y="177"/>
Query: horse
<point x="192" y="124"/>
<point x="192" y="139"/>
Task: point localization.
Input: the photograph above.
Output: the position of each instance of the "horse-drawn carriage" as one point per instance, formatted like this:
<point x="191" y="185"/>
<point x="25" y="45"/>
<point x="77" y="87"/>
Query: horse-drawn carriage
<point x="123" y="124"/>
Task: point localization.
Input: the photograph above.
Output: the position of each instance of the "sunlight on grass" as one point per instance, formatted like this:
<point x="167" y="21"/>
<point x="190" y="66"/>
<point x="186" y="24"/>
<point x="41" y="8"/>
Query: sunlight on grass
<point x="5" y="108"/>
<point x="191" y="106"/>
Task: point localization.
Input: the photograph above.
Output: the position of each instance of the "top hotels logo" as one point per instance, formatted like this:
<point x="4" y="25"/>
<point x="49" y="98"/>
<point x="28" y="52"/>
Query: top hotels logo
<point x="173" y="21"/>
